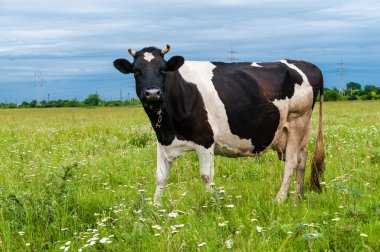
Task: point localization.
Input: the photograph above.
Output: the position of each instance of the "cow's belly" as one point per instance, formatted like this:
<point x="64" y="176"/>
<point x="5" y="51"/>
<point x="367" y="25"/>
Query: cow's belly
<point x="234" y="149"/>
<point x="233" y="146"/>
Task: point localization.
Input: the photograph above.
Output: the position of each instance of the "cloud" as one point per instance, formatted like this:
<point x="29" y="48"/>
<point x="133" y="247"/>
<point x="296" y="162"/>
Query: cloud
<point x="70" y="41"/>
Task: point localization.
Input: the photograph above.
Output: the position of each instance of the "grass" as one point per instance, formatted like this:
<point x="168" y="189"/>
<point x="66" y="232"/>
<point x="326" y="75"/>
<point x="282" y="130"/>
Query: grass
<point x="83" y="180"/>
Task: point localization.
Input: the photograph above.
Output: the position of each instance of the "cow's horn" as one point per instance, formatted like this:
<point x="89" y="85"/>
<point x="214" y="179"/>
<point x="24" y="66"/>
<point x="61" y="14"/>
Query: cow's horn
<point x="165" y="49"/>
<point x="131" y="52"/>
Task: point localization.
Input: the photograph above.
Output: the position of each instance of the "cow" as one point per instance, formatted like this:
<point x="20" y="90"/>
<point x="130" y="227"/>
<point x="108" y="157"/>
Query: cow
<point x="230" y="109"/>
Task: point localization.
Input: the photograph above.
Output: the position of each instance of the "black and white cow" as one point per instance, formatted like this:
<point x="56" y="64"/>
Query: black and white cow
<point x="231" y="109"/>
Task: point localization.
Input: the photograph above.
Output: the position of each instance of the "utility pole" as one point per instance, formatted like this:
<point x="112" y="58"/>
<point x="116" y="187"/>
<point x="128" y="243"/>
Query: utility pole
<point x="341" y="77"/>
<point x="38" y="83"/>
<point x="232" y="53"/>
<point x="121" y="95"/>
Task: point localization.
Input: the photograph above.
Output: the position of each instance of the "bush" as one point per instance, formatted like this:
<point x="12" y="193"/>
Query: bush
<point x="92" y="100"/>
<point x="352" y="98"/>
<point x="332" y="95"/>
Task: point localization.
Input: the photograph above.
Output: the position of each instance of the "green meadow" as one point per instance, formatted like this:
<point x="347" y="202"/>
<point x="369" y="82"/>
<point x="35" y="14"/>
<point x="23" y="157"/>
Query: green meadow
<point x="77" y="179"/>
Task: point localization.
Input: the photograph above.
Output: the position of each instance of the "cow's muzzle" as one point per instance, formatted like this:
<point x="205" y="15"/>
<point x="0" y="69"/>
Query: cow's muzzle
<point x="152" y="94"/>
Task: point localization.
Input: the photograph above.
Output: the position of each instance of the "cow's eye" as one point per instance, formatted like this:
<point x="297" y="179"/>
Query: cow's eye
<point x="163" y="70"/>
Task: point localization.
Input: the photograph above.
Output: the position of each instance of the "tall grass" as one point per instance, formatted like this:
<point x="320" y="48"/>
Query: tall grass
<point x="83" y="179"/>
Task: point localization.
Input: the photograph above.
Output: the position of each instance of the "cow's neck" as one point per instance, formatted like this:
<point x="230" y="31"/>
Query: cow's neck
<point x="181" y="115"/>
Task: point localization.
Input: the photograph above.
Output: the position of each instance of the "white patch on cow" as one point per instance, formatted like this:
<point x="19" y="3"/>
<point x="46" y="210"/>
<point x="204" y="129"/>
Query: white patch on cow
<point x="303" y="92"/>
<point x="200" y="73"/>
<point x="254" y="64"/>
<point x="296" y="106"/>
<point x="176" y="148"/>
<point x="148" y="56"/>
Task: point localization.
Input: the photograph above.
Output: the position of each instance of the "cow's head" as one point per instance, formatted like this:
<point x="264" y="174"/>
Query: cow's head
<point x="149" y="68"/>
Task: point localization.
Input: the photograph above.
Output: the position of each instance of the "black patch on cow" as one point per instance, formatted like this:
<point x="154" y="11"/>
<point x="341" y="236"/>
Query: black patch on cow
<point x="247" y="93"/>
<point x="313" y="74"/>
<point x="184" y="114"/>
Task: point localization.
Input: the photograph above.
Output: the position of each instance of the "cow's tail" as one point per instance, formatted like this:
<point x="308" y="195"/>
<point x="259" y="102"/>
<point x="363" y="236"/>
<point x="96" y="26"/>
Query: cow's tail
<point x="318" y="159"/>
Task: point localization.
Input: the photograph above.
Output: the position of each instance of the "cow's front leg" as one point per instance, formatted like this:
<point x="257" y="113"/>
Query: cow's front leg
<point x="206" y="163"/>
<point x="162" y="173"/>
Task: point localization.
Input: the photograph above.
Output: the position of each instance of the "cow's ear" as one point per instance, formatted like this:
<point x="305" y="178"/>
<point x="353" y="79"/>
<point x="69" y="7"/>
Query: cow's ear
<point x="123" y="66"/>
<point x="174" y="63"/>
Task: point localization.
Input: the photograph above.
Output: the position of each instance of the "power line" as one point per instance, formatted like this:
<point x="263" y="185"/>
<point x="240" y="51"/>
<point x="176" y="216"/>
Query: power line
<point x="232" y="53"/>
<point x="341" y="76"/>
<point x="38" y="83"/>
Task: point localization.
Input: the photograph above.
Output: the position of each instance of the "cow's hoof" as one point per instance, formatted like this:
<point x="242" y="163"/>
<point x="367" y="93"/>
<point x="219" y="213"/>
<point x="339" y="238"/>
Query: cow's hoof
<point x="280" y="198"/>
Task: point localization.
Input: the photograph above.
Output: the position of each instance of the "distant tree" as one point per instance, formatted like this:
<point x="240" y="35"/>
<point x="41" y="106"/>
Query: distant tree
<point x="353" y="86"/>
<point x="33" y="104"/>
<point x="92" y="100"/>
<point x="332" y="95"/>
<point x="370" y="88"/>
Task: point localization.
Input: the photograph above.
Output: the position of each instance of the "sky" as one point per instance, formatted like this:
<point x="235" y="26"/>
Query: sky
<point x="64" y="49"/>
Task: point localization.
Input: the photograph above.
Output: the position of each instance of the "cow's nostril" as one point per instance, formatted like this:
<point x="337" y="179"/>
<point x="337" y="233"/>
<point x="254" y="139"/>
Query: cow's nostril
<point x="158" y="93"/>
<point x="147" y="93"/>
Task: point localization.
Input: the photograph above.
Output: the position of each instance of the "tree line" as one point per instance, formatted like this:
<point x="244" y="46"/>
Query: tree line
<point x="93" y="100"/>
<point x="352" y="92"/>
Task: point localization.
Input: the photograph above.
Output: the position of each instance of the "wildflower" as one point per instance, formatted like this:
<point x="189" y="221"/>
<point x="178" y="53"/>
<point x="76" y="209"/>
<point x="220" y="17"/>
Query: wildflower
<point x="222" y="224"/>
<point x="259" y="229"/>
<point x="173" y="214"/>
<point x="253" y="219"/>
<point x="157" y="234"/>
<point x="21" y="233"/>
<point x="230" y="206"/>
<point x="363" y="235"/>
<point x="68" y="243"/>
<point x="157" y="227"/>
<point x="105" y="240"/>
<point x="179" y="225"/>
<point x="201" y="244"/>
<point x="290" y="232"/>
<point x="28" y="244"/>
<point x="229" y="243"/>
<point x="92" y="241"/>
<point x="336" y="219"/>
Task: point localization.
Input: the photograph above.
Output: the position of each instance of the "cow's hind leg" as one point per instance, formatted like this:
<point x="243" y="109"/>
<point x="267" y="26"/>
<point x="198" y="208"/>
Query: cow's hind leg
<point x="295" y="134"/>
<point x="291" y="163"/>
<point x="301" y="171"/>
<point x="162" y="174"/>
<point x="302" y="164"/>
<point x="206" y="163"/>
